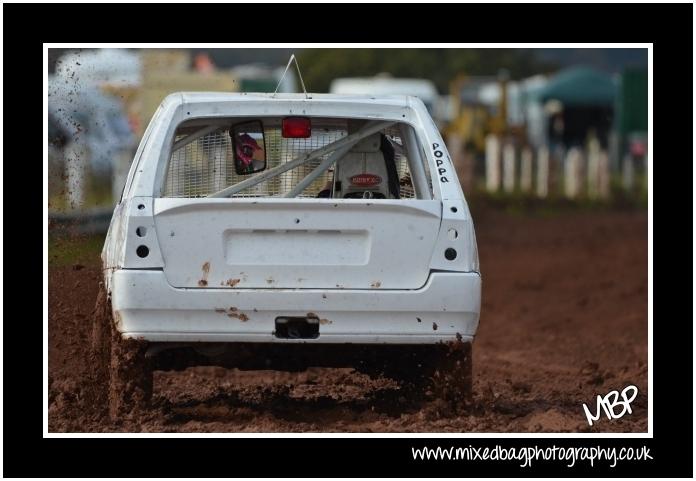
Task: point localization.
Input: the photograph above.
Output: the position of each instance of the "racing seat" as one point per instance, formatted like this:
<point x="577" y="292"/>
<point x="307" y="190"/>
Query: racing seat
<point x="368" y="170"/>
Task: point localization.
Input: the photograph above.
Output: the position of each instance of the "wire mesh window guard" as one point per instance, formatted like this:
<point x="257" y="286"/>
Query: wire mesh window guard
<point x="206" y="165"/>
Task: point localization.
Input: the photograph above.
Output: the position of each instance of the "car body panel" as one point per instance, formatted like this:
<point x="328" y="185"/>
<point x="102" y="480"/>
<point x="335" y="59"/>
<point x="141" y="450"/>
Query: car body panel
<point x="296" y="243"/>
<point x="147" y="307"/>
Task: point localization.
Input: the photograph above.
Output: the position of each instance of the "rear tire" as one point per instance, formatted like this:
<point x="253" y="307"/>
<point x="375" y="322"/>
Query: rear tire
<point x="130" y="383"/>
<point x="119" y="365"/>
<point x="438" y="372"/>
<point x="452" y="379"/>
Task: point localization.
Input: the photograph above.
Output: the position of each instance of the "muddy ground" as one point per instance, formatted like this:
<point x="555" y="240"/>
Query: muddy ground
<point x="564" y="318"/>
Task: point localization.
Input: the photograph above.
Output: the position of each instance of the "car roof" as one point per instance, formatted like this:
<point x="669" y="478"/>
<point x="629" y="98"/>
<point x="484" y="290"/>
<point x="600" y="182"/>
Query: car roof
<point x="206" y="97"/>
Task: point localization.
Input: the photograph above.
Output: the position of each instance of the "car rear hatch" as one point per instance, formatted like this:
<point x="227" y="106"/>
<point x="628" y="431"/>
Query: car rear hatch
<point x="297" y="243"/>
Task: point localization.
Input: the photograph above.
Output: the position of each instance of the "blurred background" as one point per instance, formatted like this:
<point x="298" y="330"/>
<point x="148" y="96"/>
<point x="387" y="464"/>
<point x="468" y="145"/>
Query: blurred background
<point x="522" y="125"/>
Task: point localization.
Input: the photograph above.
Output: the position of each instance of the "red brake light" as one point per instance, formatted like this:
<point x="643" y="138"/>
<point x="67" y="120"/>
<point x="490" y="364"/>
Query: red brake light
<point x="297" y="128"/>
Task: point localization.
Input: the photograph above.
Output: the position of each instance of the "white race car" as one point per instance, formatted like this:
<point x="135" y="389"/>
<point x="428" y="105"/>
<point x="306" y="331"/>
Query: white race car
<point x="290" y="230"/>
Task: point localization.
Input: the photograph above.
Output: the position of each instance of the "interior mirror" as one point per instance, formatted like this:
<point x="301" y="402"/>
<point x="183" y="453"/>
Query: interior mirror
<point x="249" y="147"/>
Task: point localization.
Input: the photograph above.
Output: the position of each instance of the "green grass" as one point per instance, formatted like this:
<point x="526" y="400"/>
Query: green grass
<point x="71" y="250"/>
<point x="97" y="194"/>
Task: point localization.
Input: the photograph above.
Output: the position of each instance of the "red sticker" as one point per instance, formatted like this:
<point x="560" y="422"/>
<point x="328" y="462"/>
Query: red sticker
<point x="365" y="180"/>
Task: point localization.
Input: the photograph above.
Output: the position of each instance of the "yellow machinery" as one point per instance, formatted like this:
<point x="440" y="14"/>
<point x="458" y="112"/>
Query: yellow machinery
<point x="473" y="120"/>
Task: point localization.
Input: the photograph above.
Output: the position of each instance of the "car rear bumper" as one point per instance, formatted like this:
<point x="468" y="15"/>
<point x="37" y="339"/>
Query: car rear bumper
<point x="146" y="307"/>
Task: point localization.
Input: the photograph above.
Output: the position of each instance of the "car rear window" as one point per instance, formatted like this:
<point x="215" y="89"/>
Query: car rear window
<point x="206" y="165"/>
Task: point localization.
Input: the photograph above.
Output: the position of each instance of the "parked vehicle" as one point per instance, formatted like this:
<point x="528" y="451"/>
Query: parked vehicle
<point x="384" y="84"/>
<point x="291" y="230"/>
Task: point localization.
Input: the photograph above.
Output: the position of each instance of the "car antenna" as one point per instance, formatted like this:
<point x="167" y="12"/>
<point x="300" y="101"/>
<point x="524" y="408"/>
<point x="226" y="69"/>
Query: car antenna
<point x="299" y="74"/>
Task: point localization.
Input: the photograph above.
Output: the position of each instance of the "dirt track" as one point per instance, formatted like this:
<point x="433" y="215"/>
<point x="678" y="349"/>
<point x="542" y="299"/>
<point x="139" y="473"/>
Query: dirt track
<point x="564" y="318"/>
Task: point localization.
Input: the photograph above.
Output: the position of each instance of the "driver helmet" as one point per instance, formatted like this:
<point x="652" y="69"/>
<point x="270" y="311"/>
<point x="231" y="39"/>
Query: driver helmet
<point x="245" y="147"/>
